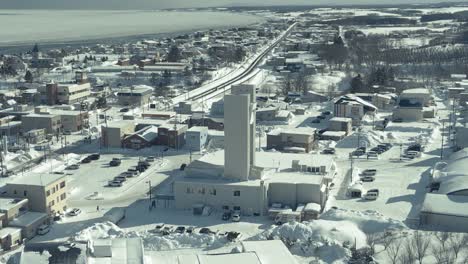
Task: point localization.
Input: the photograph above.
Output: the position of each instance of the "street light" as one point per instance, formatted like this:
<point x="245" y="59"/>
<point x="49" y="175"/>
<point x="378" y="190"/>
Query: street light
<point x="150" y="198"/>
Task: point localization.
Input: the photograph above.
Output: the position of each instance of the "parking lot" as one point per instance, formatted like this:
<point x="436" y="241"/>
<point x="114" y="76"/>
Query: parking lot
<point x="91" y="180"/>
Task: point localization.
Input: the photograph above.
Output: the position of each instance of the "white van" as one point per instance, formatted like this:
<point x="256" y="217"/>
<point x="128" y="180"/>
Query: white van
<point x="372" y="194"/>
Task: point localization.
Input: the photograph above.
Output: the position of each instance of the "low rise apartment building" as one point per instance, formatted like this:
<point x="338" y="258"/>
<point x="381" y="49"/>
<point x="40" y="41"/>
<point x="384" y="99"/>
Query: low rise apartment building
<point x="50" y="122"/>
<point x="135" y="95"/>
<point x="64" y="93"/>
<point x="113" y="133"/>
<point x="293" y="140"/>
<point x="46" y="193"/>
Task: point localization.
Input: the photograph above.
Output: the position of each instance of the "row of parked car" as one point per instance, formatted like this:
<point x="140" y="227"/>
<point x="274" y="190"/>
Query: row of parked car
<point x="373" y="152"/>
<point x="88" y="159"/>
<point x="164" y="230"/>
<point x="133" y="171"/>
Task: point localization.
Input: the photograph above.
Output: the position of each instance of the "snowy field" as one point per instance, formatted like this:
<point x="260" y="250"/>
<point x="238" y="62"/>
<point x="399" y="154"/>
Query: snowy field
<point x="46" y="25"/>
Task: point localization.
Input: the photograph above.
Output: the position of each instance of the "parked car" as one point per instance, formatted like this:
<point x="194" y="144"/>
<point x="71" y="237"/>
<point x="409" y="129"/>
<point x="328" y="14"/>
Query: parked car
<point x="367" y="178"/>
<point x="124" y="110"/>
<point x="157" y="229"/>
<point x="412" y="154"/>
<point x="167" y="230"/>
<point x="141" y="168"/>
<point x="326" y="113"/>
<point x="74" y="212"/>
<point x="398" y="120"/>
<point x="86" y="160"/>
<point x="358" y="153"/>
<point x="180" y="229"/>
<point x="190" y="229"/>
<point x="320" y="117"/>
<point x="115" y="162"/>
<point x="369" y="172"/>
<point x="329" y="151"/>
<point x="120" y="178"/>
<point x="115" y="183"/>
<point x="236" y="217"/>
<point x="233" y="236"/>
<point x="205" y="230"/>
<point x="372" y="194"/>
<point x="372" y="154"/>
<point x="150" y="159"/>
<point x="134" y="171"/>
<point x="377" y="150"/>
<point x="315" y="121"/>
<point x="73" y="167"/>
<point x="182" y="167"/>
<point x="43" y="229"/>
<point x="94" y="156"/>
<point x="226" y="216"/>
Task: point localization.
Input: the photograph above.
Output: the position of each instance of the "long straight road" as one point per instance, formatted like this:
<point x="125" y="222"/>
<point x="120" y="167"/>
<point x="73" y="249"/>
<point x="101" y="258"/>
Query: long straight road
<point x="237" y="76"/>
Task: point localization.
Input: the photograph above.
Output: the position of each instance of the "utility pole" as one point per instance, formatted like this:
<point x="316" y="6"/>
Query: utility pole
<point x="442" y="143"/>
<point x="150" y="195"/>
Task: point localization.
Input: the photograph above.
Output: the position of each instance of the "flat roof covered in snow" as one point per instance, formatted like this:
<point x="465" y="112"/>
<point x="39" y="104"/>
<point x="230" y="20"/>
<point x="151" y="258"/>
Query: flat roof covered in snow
<point x="37" y="179"/>
<point x="454" y="205"/>
<point x="28" y="219"/>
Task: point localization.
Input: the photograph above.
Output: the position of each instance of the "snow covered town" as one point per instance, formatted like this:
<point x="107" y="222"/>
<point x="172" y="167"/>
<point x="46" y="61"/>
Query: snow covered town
<point x="294" y="135"/>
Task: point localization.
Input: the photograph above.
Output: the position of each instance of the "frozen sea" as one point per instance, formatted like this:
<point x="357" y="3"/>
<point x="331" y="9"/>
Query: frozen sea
<point x="59" y="26"/>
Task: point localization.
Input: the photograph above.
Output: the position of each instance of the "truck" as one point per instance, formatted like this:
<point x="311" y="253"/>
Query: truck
<point x="286" y="217"/>
<point x="311" y="211"/>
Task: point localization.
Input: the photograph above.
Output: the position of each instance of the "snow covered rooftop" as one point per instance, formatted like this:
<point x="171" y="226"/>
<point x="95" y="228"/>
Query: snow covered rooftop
<point x="422" y="91"/>
<point x="37" y="179"/>
<point x="8" y="203"/>
<point x="455" y="205"/>
<point x="28" y="218"/>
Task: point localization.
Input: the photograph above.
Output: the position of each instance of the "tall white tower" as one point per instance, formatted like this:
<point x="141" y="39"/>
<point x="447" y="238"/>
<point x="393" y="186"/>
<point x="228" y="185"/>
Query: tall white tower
<point x="239" y="132"/>
<point x="251" y="91"/>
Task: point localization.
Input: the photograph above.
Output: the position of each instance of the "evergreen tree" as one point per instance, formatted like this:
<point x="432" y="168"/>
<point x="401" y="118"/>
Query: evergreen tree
<point x="174" y="54"/>
<point x="28" y="77"/>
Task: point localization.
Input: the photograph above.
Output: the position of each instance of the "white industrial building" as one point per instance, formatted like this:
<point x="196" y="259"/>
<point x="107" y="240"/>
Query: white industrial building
<point x="446" y="208"/>
<point x="196" y="138"/>
<point x="240" y="179"/>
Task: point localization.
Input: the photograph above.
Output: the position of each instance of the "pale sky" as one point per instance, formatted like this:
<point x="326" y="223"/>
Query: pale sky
<point x="141" y="4"/>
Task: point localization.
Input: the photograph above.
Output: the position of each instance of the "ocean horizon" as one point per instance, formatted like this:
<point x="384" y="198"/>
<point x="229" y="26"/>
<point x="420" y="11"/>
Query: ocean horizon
<point x="24" y="27"/>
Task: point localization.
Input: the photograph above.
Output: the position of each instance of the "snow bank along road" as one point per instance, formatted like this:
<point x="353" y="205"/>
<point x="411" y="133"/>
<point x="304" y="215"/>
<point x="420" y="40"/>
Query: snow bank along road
<point x="243" y="71"/>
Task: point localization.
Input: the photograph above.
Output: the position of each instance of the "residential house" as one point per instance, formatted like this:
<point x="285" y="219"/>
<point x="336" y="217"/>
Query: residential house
<point x="143" y="138"/>
<point x="172" y="135"/>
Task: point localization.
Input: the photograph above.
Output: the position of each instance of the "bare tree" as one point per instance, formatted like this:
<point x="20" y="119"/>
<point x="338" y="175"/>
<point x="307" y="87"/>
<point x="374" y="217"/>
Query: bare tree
<point x="443" y="255"/>
<point x="393" y="251"/>
<point x="387" y="240"/>
<point x="420" y="242"/>
<point x="456" y="243"/>
<point x="442" y="237"/>
<point x="408" y="255"/>
<point x="372" y="240"/>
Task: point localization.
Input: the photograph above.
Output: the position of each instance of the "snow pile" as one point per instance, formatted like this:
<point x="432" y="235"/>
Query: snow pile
<point x="98" y="231"/>
<point x="153" y="242"/>
<point x="329" y="239"/>
<point x="324" y="239"/>
<point x="365" y="138"/>
<point x="368" y="221"/>
<point x="323" y="83"/>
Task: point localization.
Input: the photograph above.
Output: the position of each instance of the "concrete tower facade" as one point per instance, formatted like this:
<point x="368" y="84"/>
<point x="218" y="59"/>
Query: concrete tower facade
<point x="248" y="89"/>
<point x="236" y="137"/>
